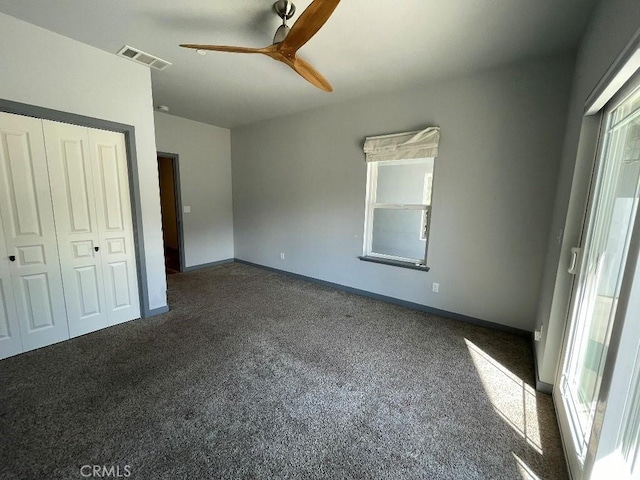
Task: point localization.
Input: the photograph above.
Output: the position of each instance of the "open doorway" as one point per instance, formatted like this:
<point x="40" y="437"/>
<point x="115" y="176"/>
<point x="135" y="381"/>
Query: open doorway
<point x="169" y="175"/>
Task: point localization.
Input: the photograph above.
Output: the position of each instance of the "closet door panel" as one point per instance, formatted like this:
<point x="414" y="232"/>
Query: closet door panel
<point x="72" y="190"/>
<point x="115" y="225"/>
<point x="29" y="231"/>
<point x="10" y="341"/>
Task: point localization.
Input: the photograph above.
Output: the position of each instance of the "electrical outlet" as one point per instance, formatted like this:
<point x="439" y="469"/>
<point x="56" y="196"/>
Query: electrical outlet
<point x="435" y="287"/>
<point x="537" y="334"/>
<point x="281" y="256"/>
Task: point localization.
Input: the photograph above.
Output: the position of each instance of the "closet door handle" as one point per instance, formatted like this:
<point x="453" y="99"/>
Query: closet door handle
<point x="96" y="248"/>
<point x="12" y="258"/>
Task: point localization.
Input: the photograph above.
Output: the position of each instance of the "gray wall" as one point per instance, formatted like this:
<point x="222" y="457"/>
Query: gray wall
<point x="205" y="185"/>
<point x="299" y="188"/>
<point x="611" y="28"/>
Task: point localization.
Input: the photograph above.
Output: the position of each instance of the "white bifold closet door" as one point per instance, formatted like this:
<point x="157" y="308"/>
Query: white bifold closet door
<point x="30" y="264"/>
<point x="10" y="342"/>
<point x="115" y="224"/>
<point x="90" y="192"/>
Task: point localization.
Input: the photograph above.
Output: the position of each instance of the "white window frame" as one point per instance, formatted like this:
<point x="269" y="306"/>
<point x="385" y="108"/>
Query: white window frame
<point x="371" y="205"/>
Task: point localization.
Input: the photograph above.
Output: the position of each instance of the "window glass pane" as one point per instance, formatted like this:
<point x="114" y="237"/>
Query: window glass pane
<point x="396" y="232"/>
<point x="615" y="203"/>
<point x="405" y="184"/>
<point x="627" y="108"/>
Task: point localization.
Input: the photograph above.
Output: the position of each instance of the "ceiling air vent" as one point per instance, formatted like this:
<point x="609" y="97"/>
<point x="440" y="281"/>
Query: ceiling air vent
<point x="160" y="64"/>
<point x="144" y="58"/>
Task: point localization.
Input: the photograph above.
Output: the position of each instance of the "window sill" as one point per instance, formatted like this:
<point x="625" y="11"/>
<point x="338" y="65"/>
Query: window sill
<point x="395" y="263"/>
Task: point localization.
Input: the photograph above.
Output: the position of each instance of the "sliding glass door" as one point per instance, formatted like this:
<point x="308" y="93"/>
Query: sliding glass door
<point x="609" y="225"/>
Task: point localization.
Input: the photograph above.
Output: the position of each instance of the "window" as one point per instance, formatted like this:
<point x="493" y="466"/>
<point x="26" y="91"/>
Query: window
<point x="398" y="205"/>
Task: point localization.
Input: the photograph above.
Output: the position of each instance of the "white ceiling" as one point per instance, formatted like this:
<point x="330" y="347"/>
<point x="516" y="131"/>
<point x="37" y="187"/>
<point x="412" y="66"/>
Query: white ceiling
<point x="366" y="46"/>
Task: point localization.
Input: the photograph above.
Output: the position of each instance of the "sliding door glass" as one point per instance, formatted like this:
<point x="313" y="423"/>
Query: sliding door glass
<point x="608" y="230"/>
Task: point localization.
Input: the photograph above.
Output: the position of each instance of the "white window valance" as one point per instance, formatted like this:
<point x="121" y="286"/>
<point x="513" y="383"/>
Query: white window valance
<point x="402" y="146"/>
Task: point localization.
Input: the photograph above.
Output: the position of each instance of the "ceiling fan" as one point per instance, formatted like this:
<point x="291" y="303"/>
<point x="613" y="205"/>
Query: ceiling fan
<point x="287" y="40"/>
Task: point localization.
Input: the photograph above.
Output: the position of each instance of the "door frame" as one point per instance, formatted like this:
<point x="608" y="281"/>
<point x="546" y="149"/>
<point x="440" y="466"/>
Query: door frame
<point x="592" y="125"/>
<point x="129" y="132"/>
<point x="622" y="80"/>
<point x="604" y="430"/>
<point x="177" y="190"/>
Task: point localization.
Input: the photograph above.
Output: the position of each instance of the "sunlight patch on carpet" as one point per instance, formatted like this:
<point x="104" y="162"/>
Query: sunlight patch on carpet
<point x="512" y="398"/>
<point x="525" y="472"/>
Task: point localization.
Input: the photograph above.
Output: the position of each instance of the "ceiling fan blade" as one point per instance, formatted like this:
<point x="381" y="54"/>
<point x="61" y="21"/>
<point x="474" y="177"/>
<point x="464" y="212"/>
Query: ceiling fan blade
<point x="224" y="48"/>
<point x="310" y="74"/>
<point x="308" y="24"/>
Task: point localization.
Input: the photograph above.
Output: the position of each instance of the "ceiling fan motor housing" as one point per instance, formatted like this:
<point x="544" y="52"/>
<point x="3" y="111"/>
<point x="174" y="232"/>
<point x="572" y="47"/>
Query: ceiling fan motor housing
<point x="285" y="9"/>
<point x="281" y="34"/>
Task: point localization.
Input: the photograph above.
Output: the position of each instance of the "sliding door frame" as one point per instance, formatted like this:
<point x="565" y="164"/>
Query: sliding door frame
<point x="615" y="349"/>
<point x="614" y="86"/>
<point x="129" y="132"/>
<point x="592" y="125"/>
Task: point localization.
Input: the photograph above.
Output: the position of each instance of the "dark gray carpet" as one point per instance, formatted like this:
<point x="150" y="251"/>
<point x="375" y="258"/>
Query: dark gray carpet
<point x="257" y="375"/>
